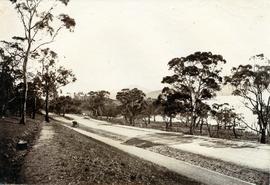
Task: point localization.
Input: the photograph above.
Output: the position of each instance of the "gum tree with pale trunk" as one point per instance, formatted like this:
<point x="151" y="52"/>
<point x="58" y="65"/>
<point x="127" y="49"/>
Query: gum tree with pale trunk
<point x="40" y="27"/>
<point x="252" y="83"/>
<point x="51" y="78"/>
<point x="195" y="79"/>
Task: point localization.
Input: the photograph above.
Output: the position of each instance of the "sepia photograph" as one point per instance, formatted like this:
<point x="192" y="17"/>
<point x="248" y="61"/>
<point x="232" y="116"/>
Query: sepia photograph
<point x="135" y="92"/>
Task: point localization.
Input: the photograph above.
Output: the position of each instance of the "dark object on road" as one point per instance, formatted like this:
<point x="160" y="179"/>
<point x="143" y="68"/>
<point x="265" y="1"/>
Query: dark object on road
<point x="22" y="145"/>
<point x="75" y="124"/>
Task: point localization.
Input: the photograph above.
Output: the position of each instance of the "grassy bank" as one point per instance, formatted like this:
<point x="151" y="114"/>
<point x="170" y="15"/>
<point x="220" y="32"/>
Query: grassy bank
<point x="11" y="159"/>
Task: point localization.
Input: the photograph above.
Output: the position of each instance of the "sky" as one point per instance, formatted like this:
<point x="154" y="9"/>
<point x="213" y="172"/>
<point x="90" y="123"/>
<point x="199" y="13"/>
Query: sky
<point x="127" y="43"/>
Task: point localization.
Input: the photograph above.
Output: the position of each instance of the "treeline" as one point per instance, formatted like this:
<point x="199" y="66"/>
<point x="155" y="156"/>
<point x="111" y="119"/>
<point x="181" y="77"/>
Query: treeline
<point x="195" y="81"/>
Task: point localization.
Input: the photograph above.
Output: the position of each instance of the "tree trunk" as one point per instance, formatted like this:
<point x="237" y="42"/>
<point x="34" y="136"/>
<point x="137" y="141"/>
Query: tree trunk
<point x="263" y="136"/>
<point x="192" y="124"/>
<point x="154" y="118"/>
<point x="201" y="126"/>
<point x="170" y="122"/>
<point x="149" y="119"/>
<point x="234" y="131"/>
<point x="187" y="121"/>
<point x="3" y="110"/>
<point x="64" y="110"/>
<point x="218" y="129"/>
<point x="198" y="123"/>
<point x="167" y="125"/>
<point x="145" y="121"/>
<point x="130" y="121"/>
<point x="126" y="120"/>
<point x="47" y="106"/>
<point x="209" y="129"/>
<point x="34" y="108"/>
<point x="23" y="116"/>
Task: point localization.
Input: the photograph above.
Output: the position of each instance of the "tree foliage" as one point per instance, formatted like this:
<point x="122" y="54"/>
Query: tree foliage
<point x="41" y="26"/>
<point x="51" y="77"/>
<point x="151" y="108"/>
<point x="196" y="78"/>
<point x="65" y="104"/>
<point x="132" y="103"/>
<point x="96" y="101"/>
<point x="251" y="82"/>
<point x="226" y="117"/>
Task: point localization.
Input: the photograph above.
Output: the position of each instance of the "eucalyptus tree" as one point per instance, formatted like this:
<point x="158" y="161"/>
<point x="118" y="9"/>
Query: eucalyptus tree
<point x="226" y="117"/>
<point x="111" y="109"/>
<point x="51" y="77"/>
<point x="132" y="103"/>
<point x="196" y="78"/>
<point x="151" y="108"/>
<point x="96" y="102"/>
<point x="34" y="98"/>
<point x="252" y="83"/>
<point x="40" y="26"/>
<point x="171" y="104"/>
<point x="222" y="114"/>
<point x="62" y="105"/>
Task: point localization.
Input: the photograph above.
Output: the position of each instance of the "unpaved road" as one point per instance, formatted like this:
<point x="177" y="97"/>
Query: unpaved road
<point x="119" y="136"/>
<point x="243" y="153"/>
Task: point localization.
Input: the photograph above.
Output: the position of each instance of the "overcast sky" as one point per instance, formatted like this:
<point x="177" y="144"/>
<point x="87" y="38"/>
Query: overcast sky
<point x="122" y="43"/>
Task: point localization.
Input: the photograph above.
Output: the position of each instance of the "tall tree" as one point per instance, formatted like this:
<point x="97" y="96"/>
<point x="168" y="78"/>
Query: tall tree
<point x="37" y="18"/>
<point x="132" y="103"/>
<point x="196" y="78"/>
<point x="52" y="77"/>
<point x="62" y="104"/>
<point x="150" y="109"/>
<point x="96" y="101"/>
<point x="252" y="82"/>
<point x="111" y="109"/>
<point x="169" y="100"/>
<point x="226" y="116"/>
<point x="34" y="97"/>
<point x="222" y="114"/>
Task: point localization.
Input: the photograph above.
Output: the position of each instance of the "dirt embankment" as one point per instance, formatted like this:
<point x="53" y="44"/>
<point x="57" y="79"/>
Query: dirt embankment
<point x="11" y="159"/>
<point x="71" y="158"/>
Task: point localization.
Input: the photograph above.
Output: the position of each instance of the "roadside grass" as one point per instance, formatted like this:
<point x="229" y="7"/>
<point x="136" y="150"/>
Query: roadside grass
<point x="11" y="159"/>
